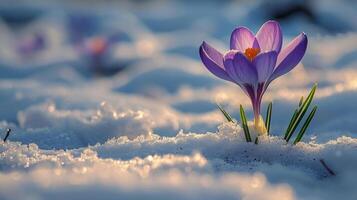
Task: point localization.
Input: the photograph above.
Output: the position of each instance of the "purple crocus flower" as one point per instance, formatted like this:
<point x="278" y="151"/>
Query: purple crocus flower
<point x="97" y="53"/>
<point x="96" y="47"/>
<point x="254" y="61"/>
<point x="31" y="44"/>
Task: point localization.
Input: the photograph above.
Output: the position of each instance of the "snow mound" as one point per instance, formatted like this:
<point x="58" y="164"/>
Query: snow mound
<point x="169" y="176"/>
<point x="221" y="164"/>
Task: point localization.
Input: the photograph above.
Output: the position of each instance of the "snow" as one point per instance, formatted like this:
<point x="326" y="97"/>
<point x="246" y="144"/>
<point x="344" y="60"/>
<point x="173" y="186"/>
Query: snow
<point x="152" y="128"/>
<point x="226" y="167"/>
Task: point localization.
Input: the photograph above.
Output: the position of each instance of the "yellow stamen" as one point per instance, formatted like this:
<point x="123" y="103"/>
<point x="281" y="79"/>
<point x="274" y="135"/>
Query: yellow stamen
<point x="250" y="53"/>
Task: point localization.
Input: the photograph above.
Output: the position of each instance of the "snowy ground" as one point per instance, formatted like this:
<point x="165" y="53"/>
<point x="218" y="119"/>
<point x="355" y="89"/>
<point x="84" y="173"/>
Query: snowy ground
<point x="152" y="129"/>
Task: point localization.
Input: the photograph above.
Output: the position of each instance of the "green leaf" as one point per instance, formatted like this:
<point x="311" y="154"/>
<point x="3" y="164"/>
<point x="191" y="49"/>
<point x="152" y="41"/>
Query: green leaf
<point x="8" y="131"/>
<point x="301" y="100"/>
<point x="268" y="117"/>
<point x="245" y="125"/>
<point x="301" y="112"/>
<point x="226" y="115"/>
<point x="306" y="124"/>
<point x="293" y="118"/>
<point x="256" y="140"/>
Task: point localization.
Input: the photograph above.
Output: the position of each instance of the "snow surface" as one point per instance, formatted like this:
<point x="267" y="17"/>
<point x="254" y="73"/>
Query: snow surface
<point x="146" y="125"/>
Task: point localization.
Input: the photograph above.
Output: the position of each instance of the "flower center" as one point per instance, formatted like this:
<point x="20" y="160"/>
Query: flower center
<point x="97" y="45"/>
<point x="250" y="53"/>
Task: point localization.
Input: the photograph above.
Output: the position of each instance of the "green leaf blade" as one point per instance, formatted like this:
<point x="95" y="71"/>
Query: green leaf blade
<point x="305" y="126"/>
<point x="245" y="125"/>
<point x="226" y="115"/>
<point x="256" y="141"/>
<point x="301" y="112"/>
<point x="293" y="118"/>
<point x="268" y="117"/>
<point x="301" y="101"/>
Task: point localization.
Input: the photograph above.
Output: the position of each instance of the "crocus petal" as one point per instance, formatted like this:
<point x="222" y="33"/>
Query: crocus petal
<point x="242" y="38"/>
<point x="241" y="70"/>
<point x="290" y="56"/>
<point x="256" y="44"/>
<point x="270" y="37"/>
<point x="213" y="60"/>
<point x="264" y="64"/>
<point x="229" y="55"/>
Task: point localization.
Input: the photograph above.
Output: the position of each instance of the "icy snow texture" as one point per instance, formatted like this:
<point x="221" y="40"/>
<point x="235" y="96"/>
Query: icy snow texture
<point x="153" y="130"/>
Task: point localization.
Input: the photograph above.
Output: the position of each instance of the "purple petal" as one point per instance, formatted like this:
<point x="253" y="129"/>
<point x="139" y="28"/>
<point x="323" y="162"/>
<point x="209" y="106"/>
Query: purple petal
<point x="270" y="37"/>
<point x="229" y="55"/>
<point x="264" y="64"/>
<point x="213" y="60"/>
<point x="240" y="69"/>
<point x="290" y="56"/>
<point x="256" y="44"/>
<point x="242" y="38"/>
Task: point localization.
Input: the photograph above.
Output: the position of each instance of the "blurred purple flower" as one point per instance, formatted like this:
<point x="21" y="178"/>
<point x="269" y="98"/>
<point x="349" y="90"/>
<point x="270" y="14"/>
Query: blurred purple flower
<point x="97" y="52"/>
<point x="31" y="44"/>
<point x="254" y="61"/>
<point x="95" y="47"/>
<point x="98" y="46"/>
